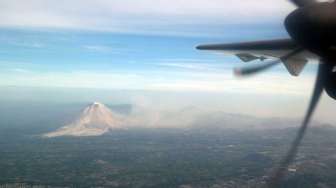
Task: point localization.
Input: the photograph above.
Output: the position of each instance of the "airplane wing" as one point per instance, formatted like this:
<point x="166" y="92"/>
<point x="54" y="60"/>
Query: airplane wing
<point x="261" y="50"/>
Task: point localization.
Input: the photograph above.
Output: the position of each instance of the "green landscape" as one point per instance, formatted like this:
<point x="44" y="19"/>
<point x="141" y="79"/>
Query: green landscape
<point x="166" y="158"/>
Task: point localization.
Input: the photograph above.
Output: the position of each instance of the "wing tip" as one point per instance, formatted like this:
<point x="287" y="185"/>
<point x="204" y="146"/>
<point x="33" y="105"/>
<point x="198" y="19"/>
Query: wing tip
<point x="202" y="47"/>
<point x="209" y="47"/>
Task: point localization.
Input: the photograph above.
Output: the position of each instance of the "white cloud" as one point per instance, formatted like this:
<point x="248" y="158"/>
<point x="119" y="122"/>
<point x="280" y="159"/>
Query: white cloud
<point x="270" y="84"/>
<point x="98" y="48"/>
<point x="197" y="66"/>
<point x="191" y="64"/>
<point x="19" y="70"/>
<point x="138" y="16"/>
<point x="29" y="44"/>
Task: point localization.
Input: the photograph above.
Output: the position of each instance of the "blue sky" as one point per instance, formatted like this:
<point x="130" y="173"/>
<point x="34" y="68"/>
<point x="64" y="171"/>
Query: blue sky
<point x="146" y="45"/>
<point x="107" y="60"/>
<point x="90" y="59"/>
<point x="128" y="44"/>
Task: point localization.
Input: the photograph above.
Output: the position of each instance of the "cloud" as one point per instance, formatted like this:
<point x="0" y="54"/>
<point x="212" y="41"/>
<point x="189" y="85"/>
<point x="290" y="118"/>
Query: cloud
<point x="196" y="117"/>
<point x="191" y="64"/>
<point x="98" y="48"/>
<point x="200" y="81"/>
<point x="196" y="66"/>
<point x="19" y="70"/>
<point x="29" y="44"/>
<point x="138" y="16"/>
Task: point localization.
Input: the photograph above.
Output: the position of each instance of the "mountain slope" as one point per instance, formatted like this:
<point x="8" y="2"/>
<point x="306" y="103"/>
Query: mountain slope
<point x="95" y="120"/>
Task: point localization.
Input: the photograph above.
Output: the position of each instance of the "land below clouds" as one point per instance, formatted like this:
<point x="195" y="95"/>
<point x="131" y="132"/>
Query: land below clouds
<point x="166" y="157"/>
<point x="218" y="149"/>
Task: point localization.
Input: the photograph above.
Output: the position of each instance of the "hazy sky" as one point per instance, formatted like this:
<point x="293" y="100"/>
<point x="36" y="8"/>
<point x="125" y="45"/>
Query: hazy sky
<point x="147" y="45"/>
<point x="144" y="16"/>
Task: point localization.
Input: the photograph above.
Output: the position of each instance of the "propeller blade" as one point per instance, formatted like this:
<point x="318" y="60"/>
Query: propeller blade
<point x="302" y="3"/>
<point x="319" y="86"/>
<point x="250" y="70"/>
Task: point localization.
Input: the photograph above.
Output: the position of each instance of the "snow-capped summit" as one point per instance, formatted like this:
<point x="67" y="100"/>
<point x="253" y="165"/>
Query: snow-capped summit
<point x="97" y="104"/>
<point x="95" y="120"/>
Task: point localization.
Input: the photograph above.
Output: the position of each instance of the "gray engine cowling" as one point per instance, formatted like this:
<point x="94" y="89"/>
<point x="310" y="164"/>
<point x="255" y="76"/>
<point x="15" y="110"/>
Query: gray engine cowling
<point x="330" y="85"/>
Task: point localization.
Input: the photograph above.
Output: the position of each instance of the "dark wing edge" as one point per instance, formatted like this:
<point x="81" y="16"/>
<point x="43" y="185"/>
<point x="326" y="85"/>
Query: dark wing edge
<point x="246" y="51"/>
<point x="278" y="44"/>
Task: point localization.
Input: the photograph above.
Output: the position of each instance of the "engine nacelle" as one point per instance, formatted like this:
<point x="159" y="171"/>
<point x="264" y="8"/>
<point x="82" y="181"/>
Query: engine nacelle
<point x="330" y="85"/>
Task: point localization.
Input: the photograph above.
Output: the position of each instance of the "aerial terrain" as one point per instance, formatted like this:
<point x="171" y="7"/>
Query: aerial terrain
<point x="83" y="154"/>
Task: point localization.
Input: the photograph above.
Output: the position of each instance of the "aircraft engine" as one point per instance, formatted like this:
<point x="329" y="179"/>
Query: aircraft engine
<point x="330" y="85"/>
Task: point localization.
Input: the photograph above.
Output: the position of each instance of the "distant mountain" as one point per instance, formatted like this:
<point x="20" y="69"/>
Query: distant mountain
<point x="95" y="120"/>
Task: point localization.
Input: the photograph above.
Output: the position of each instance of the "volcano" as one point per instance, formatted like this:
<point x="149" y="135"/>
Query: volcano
<point x="95" y="120"/>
